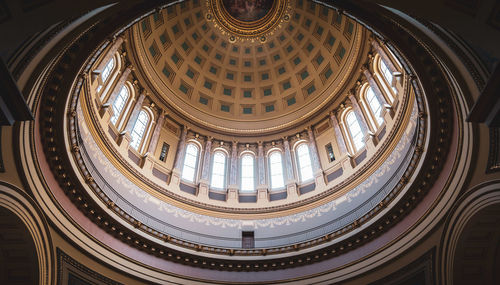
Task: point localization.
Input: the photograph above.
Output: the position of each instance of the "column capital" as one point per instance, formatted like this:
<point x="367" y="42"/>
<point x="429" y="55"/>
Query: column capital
<point x="310" y="133"/>
<point x="286" y="142"/>
<point x="353" y="98"/>
<point x="185" y="128"/>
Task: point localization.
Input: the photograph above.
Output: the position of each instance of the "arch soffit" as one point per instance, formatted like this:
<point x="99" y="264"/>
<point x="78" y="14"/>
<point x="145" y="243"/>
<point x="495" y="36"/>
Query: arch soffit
<point x="15" y="201"/>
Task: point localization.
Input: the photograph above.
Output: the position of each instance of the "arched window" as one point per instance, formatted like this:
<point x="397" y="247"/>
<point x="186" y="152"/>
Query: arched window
<point x="119" y="103"/>
<point x="355" y="131"/>
<point x="304" y="162"/>
<point x="276" y="169"/>
<point x="374" y="105"/>
<point x="247" y="173"/>
<point x="107" y="69"/>
<point x="218" y="170"/>
<point x="139" y="129"/>
<point x="190" y="162"/>
<point x="387" y="74"/>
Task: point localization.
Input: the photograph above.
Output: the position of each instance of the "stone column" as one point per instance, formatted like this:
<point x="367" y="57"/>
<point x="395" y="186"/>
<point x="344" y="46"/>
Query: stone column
<point x="181" y="149"/>
<point x="262" y="187"/>
<point x="232" y="194"/>
<point x="233" y="173"/>
<point x="156" y="134"/>
<point x="369" y="138"/>
<point x="179" y="158"/>
<point x="261" y="167"/>
<point x="344" y="154"/>
<point x="338" y="134"/>
<point x="287" y="162"/>
<point x="316" y="165"/>
<point x="116" y="90"/>
<point x="205" y="170"/>
<point x="290" y="181"/>
<point x="313" y="150"/>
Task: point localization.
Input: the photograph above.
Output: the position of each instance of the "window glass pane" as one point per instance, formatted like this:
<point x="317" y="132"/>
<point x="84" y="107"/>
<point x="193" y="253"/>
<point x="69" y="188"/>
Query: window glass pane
<point x="375" y="105"/>
<point x="164" y="151"/>
<point x="218" y="170"/>
<point x="119" y="103"/>
<point x="139" y="128"/>
<point x="276" y="169"/>
<point x="107" y="69"/>
<point x="386" y="72"/>
<point x="190" y="159"/>
<point x="355" y="130"/>
<point x="305" y="168"/>
<point x="247" y="173"/>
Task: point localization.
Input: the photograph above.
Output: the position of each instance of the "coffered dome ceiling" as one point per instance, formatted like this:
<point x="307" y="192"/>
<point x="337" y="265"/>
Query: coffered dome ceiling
<point x="247" y="74"/>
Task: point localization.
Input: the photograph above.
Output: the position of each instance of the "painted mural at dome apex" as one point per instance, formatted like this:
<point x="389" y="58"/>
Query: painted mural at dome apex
<point x="248" y="10"/>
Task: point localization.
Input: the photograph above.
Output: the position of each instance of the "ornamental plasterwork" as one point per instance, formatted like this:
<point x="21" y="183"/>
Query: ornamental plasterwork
<point x="222" y="15"/>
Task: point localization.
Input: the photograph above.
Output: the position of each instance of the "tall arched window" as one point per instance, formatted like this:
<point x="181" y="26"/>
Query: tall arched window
<point x="190" y="162"/>
<point x="247" y="173"/>
<point x="374" y="105"/>
<point x="355" y="131"/>
<point x="119" y="103"/>
<point x="107" y="70"/>
<point x="139" y="129"/>
<point x="387" y="74"/>
<point x="304" y="162"/>
<point x="218" y="170"/>
<point x="276" y="169"/>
